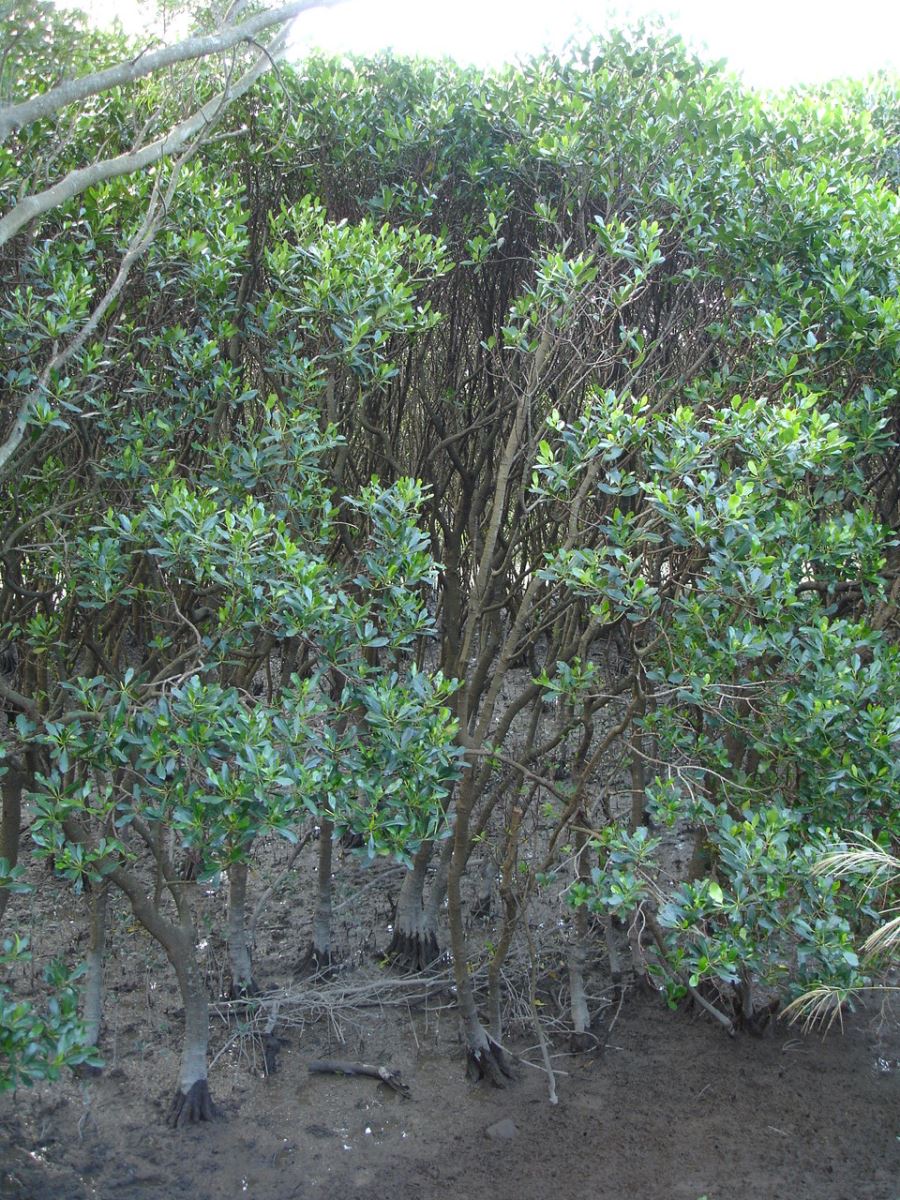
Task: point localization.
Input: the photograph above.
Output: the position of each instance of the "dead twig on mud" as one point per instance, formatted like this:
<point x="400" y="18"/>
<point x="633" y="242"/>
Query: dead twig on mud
<point x="338" y="1002"/>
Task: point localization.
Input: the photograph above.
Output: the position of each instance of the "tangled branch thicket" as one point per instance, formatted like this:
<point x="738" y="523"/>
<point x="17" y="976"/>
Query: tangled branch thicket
<point x="493" y="472"/>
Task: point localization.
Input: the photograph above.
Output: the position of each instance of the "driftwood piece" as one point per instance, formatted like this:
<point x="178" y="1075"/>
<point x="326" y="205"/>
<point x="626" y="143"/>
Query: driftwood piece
<point x="334" y="1066"/>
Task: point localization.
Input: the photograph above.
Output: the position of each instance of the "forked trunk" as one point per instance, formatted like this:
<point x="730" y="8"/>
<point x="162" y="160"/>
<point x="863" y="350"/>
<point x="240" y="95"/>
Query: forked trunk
<point x="192" y="1101"/>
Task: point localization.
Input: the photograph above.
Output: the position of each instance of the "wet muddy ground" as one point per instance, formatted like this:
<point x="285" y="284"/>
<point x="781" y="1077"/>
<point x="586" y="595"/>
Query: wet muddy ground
<point x="665" y="1107"/>
<point x="668" y="1109"/>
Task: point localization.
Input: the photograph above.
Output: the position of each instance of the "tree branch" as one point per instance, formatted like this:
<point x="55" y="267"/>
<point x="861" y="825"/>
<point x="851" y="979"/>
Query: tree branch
<point x="156" y="210"/>
<point x="82" y="178"/>
<point x="15" y="116"/>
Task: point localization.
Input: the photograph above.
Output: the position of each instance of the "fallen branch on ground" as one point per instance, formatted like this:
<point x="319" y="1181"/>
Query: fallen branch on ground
<point x="392" y="1078"/>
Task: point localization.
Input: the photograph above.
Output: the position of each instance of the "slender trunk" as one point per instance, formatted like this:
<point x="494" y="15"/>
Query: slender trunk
<point x="192" y="1101"/>
<point x="438" y="892"/>
<point x="511" y="910"/>
<point x="412" y="946"/>
<point x="615" y="958"/>
<point x="581" y="1017"/>
<point x="484" y="887"/>
<point x="10" y="822"/>
<point x="754" y="1020"/>
<point x="700" y="862"/>
<point x="92" y="1010"/>
<point x="638" y="780"/>
<point x="268" y="892"/>
<point x="239" y="955"/>
<point x="485" y="1057"/>
<point x="318" y="957"/>
<point x="578" y="950"/>
<point x="638" y="956"/>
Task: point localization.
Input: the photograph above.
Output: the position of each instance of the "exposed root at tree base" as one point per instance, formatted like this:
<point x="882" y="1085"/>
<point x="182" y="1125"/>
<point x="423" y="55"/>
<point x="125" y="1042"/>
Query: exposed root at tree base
<point x="489" y="1063"/>
<point x="413" y="951"/>
<point x="189" y="1108"/>
<point x="758" y="1021"/>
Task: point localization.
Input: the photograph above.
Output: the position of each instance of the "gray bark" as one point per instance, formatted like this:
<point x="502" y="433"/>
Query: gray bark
<point x="612" y="949"/>
<point x="578" y="949"/>
<point x="239" y="953"/>
<point x="485" y="1058"/>
<point x="197" y="125"/>
<point x="71" y="91"/>
<point x="437" y="893"/>
<point x="192" y="1101"/>
<point x="484" y="888"/>
<point x="92" y="1009"/>
<point x="319" y="955"/>
<point x="196" y="1026"/>
<point x="512" y="905"/>
<point x="413" y="945"/>
<point x="638" y="775"/>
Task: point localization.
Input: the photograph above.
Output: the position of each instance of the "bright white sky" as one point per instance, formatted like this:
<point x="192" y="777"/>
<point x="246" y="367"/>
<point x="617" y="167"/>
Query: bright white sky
<point x="770" y="42"/>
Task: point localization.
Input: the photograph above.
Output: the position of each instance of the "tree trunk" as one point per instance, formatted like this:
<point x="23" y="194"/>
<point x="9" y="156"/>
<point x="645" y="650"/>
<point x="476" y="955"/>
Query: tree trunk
<point x="511" y="911"/>
<point x="92" y="1008"/>
<point x="318" y="957"/>
<point x="581" y="1039"/>
<point x="701" y="859"/>
<point x="414" y="947"/>
<point x="438" y="892"/>
<point x="192" y="1102"/>
<point x="484" y="884"/>
<point x="638" y="779"/>
<point x="616" y="973"/>
<point x="578" y="950"/>
<point x="485" y="1058"/>
<point x="239" y="954"/>
<point x="10" y="822"/>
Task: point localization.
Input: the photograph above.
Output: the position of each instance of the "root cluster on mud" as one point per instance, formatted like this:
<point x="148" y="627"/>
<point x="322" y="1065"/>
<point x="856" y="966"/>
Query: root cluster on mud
<point x="192" y="1106"/>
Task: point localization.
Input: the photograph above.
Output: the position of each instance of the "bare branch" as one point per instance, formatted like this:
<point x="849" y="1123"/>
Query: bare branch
<point x="15" y="116"/>
<point x="82" y="178"/>
<point x="156" y="210"/>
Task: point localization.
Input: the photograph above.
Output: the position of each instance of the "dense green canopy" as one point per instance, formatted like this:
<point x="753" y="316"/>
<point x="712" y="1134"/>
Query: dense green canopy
<point x="574" y="383"/>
